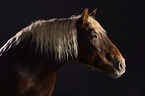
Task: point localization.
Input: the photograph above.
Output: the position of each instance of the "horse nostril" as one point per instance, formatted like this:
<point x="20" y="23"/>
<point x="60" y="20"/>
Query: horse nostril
<point x="121" y="65"/>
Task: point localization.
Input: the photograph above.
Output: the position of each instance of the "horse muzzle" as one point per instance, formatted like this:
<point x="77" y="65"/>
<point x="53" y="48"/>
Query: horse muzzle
<point x="120" y="69"/>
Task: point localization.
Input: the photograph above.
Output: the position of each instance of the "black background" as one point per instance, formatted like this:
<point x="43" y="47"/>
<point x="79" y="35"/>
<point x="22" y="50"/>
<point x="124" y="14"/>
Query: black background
<point x="124" y="22"/>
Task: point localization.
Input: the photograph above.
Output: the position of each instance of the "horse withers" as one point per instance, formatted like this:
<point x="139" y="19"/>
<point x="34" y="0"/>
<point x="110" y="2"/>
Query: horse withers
<point x="29" y="60"/>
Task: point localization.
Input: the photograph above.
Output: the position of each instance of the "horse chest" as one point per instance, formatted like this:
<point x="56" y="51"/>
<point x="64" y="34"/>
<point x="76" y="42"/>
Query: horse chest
<point x="32" y="83"/>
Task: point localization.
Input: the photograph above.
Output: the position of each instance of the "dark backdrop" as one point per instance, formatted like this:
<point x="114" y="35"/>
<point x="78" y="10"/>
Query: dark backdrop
<point x="124" y="22"/>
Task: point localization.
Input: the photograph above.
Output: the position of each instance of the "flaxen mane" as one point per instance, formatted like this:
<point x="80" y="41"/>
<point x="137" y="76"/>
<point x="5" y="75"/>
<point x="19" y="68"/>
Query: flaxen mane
<point x="58" y="36"/>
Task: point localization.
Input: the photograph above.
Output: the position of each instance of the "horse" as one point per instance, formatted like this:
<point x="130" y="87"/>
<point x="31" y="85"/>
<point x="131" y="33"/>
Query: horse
<point x="29" y="60"/>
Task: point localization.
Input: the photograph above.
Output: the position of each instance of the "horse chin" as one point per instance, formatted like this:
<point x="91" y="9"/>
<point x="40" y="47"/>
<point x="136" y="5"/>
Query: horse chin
<point x="113" y="74"/>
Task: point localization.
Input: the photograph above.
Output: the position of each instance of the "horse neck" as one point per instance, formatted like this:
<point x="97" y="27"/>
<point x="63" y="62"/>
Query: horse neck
<point x="41" y="43"/>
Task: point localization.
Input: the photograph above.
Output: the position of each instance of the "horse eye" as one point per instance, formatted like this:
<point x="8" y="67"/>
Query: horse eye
<point x="93" y="36"/>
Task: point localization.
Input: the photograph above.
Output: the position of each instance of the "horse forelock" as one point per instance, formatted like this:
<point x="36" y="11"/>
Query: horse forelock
<point x="55" y="36"/>
<point x="94" y="24"/>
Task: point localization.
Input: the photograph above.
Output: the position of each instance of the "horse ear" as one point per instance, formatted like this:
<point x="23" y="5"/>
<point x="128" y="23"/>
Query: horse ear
<point x="93" y="13"/>
<point x="84" y="16"/>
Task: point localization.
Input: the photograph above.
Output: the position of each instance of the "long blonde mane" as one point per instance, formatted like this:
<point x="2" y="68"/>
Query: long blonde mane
<point x="57" y="36"/>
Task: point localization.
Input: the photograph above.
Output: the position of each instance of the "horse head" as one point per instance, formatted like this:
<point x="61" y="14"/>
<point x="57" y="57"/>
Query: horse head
<point x="95" y="49"/>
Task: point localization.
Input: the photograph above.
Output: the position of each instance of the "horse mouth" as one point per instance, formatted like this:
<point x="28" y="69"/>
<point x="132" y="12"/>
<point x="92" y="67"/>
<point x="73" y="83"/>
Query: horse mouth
<point x="117" y="74"/>
<point x="112" y="72"/>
